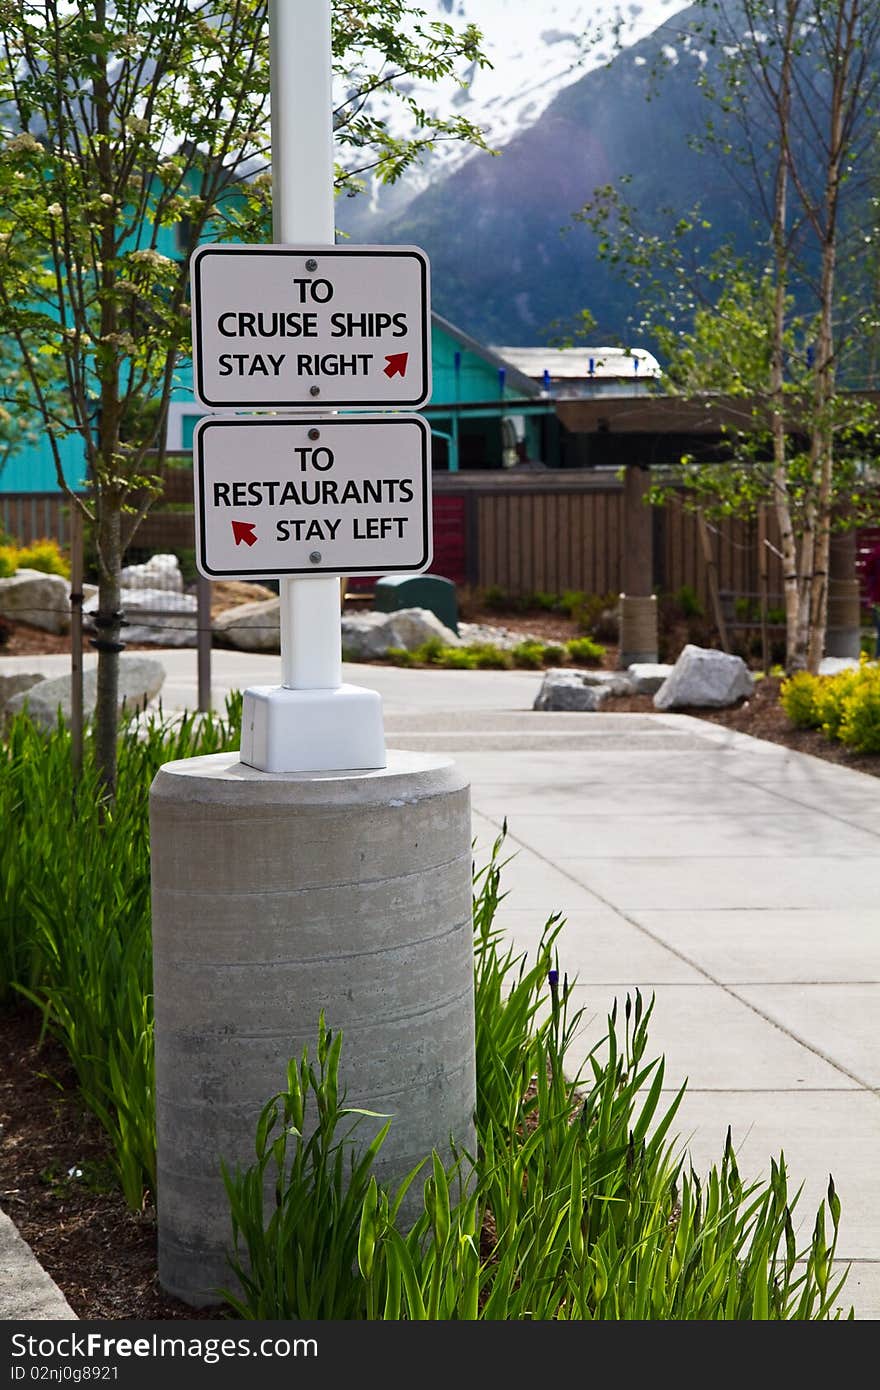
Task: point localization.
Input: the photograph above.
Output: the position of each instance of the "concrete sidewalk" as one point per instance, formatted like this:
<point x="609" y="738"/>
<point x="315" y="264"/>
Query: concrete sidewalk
<point x="734" y="880"/>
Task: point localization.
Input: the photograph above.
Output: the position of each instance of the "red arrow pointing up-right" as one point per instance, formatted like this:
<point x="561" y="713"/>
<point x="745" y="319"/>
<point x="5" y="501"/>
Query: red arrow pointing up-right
<point x="244" y="531"/>
<point x="396" y="364"/>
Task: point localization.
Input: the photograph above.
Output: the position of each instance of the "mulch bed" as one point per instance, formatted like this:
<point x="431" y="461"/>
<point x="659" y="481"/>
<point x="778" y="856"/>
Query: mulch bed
<point x="57" y="1186"/>
<point x="762" y="716"/>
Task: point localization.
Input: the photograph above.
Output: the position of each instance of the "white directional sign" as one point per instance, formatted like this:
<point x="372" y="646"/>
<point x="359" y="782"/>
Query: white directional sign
<point x="277" y="326"/>
<point x="344" y="495"/>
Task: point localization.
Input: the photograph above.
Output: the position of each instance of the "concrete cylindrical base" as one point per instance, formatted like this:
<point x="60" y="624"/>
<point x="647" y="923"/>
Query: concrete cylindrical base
<point x="843" y="632"/>
<point x="638" y="629"/>
<point x="277" y="896"/>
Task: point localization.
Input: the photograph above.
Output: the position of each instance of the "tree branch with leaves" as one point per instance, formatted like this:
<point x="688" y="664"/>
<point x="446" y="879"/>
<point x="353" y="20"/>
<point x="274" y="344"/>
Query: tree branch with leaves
<point x="124" y="120"/>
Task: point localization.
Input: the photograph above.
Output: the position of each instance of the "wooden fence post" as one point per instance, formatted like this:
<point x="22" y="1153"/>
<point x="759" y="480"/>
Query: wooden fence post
<point x="712" y="573"/>
<point x="76" y="640"/>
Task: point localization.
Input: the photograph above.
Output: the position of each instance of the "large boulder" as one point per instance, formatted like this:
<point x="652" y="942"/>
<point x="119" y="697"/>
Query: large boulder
<point x="169" y="618"/>
<point x="647" y="676"/>
<point x="704" y="679"/>
<point x="368" y="636"/>
<point x="833" y="665"/>
<point x="140" y="680"/>
<point x="16" y="684"/>
<point x="43" y="600"/>
<point x="568" y="689"/>
<point x="159" y="572"/>
<point x="250" y="627"/>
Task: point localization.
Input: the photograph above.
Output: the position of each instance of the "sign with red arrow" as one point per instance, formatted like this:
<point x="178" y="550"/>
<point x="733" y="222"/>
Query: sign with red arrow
<point x="343" y="494"/>
<point x="244" y="531"/>
<point x="396" y="364"/>
<point x="311" y="326"/>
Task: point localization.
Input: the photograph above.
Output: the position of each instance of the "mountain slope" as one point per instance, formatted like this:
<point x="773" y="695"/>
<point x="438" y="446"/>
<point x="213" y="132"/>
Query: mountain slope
<point x="534" y="52"/>
<point x="503" y="267"/>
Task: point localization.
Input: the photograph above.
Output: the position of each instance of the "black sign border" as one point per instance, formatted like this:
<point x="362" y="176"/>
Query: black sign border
<point x="410" y="252"/>
<point x="264" y="422"/>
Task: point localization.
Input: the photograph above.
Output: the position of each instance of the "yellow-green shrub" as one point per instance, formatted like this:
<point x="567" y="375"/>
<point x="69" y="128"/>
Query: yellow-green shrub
<point x="798" y="698"/>
<point x="585" y="650"/>
<point x="859" y="726"/>
<point x="830" y="696"/>
<point x="44" y="555"/>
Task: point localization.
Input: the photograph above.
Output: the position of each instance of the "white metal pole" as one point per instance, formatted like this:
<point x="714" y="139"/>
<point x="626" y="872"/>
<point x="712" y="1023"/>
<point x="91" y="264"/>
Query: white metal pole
<point x="302" y="214"/>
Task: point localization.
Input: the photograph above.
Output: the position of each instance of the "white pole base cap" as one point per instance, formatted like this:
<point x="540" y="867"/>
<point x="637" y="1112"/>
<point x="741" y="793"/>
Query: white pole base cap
<point x="338" y="730"/>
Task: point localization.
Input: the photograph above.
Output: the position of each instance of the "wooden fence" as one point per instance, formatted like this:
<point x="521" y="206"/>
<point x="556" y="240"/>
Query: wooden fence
<point x="525" y="532"/>
<point x="552" y="531"/>
<point x="34" y="516"/>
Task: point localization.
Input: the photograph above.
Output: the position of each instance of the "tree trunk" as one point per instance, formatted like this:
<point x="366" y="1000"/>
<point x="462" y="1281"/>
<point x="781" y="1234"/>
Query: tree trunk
<point x="108" y="622"/>
<point x="823" y="377"/>
<point x="794" y="658"/>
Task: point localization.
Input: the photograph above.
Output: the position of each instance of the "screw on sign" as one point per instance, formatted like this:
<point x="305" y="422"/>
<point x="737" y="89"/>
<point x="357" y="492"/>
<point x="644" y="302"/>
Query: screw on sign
<point x="277" y="326"/>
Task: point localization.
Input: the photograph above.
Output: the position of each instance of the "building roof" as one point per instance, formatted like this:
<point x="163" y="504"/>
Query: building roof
<point x="581" y="363"/>
<point x="516" y="378"/>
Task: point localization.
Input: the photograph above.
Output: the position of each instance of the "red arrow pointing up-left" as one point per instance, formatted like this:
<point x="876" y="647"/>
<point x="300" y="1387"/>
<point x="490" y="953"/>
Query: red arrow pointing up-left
<point x="396" y="364"/>
<point x="244" y="531"/>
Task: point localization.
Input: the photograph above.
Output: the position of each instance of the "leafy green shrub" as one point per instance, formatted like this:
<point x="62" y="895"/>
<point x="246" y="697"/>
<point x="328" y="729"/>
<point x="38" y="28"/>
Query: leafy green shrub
<point x="597" y="616"/>
<point x="496" y="598"/>
<point x="797" y="696"/>
<point x="688" y="602"/>
<point x="490" y="658"/>
<point x="457" y="659"/>
<point x="8" y="561"/>
<point x="430" y="651"/>
<point x="572" y="602"/>
<point x="553" y="654"/>
<point x="585" y="650"/>
<point x="542" y="600"/>
<point x="588" y="1212"/>
<point x="528" y="655"/>
<point x="399" y="656"/>
<point x="859" y="726"/>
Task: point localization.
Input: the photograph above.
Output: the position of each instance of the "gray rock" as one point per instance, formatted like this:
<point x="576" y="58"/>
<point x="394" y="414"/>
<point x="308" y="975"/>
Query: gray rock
<point x="647" y="676"/>
<point x="159" y="572"/>
<point x="170" y="619"/>
<point x="566" y="690"/>
<point x="366" y="636"/>
<point x="704" y="679"/>
<point x="43" y="600"/>
<point x="504" y="638"/>
<point x="614" y="682"/>
<point x="15" y="684"/>
<point x="250" y="627"/>
<point x="140" y="680"/>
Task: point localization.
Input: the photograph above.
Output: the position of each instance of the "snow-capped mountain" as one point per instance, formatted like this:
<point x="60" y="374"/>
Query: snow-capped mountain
<point x="536" y="48"/>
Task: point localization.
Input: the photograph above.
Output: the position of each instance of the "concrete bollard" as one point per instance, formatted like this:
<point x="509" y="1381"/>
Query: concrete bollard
<point x="277" y="896"/>
<point x="638" y="629"/>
